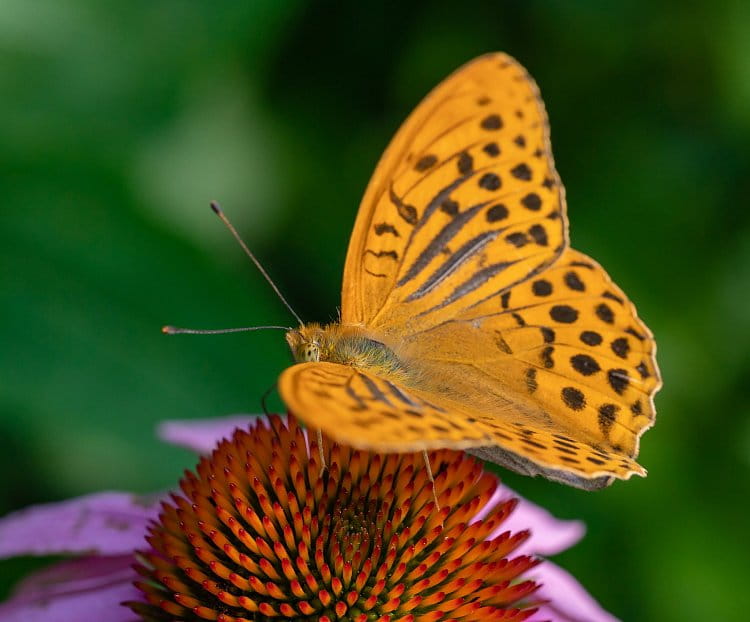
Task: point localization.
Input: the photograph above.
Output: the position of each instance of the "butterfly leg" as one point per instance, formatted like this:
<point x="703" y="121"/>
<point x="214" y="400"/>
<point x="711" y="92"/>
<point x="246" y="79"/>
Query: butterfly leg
<point x="264" y="399"/>
<point x="431" y="478"/>
<point x="323" y="464"/>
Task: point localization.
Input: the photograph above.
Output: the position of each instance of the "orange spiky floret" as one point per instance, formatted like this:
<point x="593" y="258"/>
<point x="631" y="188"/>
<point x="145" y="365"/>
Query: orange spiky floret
<point x="262" y="532"/>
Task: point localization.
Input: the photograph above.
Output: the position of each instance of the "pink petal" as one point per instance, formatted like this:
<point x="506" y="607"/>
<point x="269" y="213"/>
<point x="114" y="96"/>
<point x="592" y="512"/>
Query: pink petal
<point x="568" y="600"/>
<point x="86" y="589"/>
<point x="202" y="435"/>
<point x="108" y="523"/>
<point x="549" y="535"/>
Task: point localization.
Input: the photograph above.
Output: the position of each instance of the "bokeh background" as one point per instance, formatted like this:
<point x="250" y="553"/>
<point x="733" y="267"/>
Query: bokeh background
<point x="120" y="121"/>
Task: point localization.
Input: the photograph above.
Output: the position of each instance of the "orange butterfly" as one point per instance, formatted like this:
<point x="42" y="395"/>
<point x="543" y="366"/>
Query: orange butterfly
<point x="467" y="322"/>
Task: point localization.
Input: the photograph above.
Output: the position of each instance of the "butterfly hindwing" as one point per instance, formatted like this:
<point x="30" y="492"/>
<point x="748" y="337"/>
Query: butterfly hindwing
<point x="464" y="203"/>
<point x="566" y="348"/>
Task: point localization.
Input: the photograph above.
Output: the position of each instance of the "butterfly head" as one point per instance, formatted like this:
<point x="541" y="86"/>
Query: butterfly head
<point x="305" y="343"/>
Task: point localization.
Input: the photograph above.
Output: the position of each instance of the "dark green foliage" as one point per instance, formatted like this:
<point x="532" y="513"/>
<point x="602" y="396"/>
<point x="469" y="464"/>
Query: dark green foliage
<point x="118" y="125"/>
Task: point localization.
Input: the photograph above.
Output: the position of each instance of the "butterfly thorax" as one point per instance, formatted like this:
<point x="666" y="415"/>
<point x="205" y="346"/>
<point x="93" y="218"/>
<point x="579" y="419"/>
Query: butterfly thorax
<point x="345" y="345"/>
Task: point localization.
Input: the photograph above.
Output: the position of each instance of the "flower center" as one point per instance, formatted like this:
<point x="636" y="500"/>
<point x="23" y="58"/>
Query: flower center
<point x="260" y="534"/>
<point x="354" y="525"/>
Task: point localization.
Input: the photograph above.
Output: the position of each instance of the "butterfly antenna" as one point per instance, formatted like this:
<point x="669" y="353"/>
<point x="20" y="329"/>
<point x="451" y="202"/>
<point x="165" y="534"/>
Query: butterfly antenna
<point x="218" y="211"/>
<point x="174" y="330"/>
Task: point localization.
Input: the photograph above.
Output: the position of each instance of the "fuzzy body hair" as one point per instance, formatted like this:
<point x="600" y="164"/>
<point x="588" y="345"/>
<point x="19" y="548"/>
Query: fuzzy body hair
<point x="347" y="345"/>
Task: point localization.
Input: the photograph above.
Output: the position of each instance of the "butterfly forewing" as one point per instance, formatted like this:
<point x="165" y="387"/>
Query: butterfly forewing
<point x="464" y="203"/>
<point x="372" y="411"/>
<point x="375" y="412"/>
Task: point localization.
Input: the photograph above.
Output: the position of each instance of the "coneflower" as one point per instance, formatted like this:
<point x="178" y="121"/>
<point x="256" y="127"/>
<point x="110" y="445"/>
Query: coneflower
<point x="258" y="532"/>
<point x="262" y="531"/>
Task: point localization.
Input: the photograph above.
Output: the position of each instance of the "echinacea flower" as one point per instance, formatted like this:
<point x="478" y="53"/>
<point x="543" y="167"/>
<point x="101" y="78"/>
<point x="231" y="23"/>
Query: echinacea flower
<point x="260" y="531"/>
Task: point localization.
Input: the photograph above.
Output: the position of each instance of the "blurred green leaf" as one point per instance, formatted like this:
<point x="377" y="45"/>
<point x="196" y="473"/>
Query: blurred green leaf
<point x="118" y="122"/>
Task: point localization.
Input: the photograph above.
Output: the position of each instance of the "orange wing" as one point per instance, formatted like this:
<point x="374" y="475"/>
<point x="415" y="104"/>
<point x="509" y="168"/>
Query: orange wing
<point x="374" y="412"/>
<point x="512" y="345"/>
<point x="464" y="203"/>
<point x="566" y="348"/>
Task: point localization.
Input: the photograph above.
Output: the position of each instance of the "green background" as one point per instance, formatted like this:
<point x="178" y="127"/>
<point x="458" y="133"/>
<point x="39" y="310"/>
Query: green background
<point x="119" y="121"/>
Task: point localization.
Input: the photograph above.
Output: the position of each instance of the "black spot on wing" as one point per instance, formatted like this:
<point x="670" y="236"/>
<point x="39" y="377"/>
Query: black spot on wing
<point x="450" y="207"/>
<point x="595" y="461"/>
<point x="604" y="313"/>
<point x="491" y="149"/>
<point x="539" y="234"/>
<point x="541" y="287"/>
<point x="407" y="212"/>
<point x="584" y="364"/>
<point x="619" y="380"/>
<point x="521" y="171"/>
<point x="425" y="162"/>
<point x="607" y="416"/>
<point x="383" y="228"/>
<point x="632" y="331"/>
<point x="532" y="202"/>
<point x="573" y="281"/>
<point x="517" y="239"/>
<point x="492" y="122"/>
<point x="573" y="398"/>
<point x="562" y="442"/>
<point x="502" y="344"/>
<point x="389" y="254"/>
<point x="582" y="264"/>
<point x="621" y="347"/>
<point x="643" y="370"/>
<point x="532" y="443"/>
<point x="614" y="297"/>
<point x="465" y="163"/>
<point x="564" y="314"/>
<point x="531" y="383"/>
<point x="399" y="394"/>
<point x="546" y="357"/>
<point x="359" y="402"/>
<point x="496" y="213"/>
<point x="490" y="181"/>
<point x="591" y="338"/>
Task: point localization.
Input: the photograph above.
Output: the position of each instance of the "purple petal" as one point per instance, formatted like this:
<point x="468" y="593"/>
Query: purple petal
<point x="202" y="435"/>
<point x="567" y="600"/>
<point x="549" y="535"/>
<point x="108" y="523"/>
<point x="86" y="589"/>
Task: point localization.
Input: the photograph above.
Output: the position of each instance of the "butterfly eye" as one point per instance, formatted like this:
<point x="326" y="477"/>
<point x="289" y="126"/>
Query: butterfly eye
<point x="311" y="352"/>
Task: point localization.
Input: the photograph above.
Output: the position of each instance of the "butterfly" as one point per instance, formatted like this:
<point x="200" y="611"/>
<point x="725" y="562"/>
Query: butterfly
<point x="467" y="321"/>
